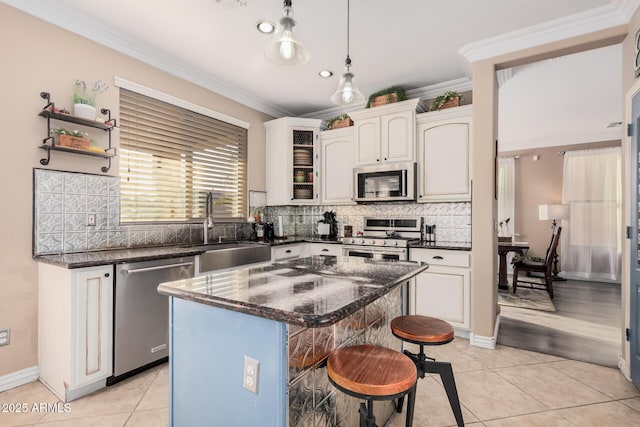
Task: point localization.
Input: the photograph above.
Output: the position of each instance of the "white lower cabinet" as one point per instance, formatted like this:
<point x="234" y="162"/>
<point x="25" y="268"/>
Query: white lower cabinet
<point x="444" y="290"/>
<point x="331" y="249"/>
<point x="75" y="333"/>
<point x="284" y="252"/>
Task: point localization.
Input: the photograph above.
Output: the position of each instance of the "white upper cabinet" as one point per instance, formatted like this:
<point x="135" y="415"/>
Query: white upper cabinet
<point x="444" y="150"/>
<point x="385" y="134"/>
<point x="292" y="161"/>
<point x="336" y="171"/>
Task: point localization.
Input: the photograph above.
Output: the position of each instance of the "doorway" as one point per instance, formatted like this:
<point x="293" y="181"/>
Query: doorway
<point x="588" y="316"/>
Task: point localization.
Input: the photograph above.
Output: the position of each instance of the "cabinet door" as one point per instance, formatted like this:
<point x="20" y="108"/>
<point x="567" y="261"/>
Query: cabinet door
<point x="444" y="157"/>
<point x="92" y="296"/>
<point x="337" y="170"/>
<point x="444" y="294"/>
<point x="397" y="137"/>
<point x="367" y="140"/>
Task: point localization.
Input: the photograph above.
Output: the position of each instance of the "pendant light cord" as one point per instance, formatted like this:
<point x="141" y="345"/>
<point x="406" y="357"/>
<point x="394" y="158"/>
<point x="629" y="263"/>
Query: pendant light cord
<point x="348" y="60"/>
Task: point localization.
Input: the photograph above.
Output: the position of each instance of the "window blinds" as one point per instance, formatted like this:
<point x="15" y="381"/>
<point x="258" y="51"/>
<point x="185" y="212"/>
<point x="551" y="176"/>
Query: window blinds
<point x="171" y="157"/>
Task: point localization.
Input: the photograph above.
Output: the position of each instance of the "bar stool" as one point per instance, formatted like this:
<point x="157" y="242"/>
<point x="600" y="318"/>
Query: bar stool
<point x="423" y="330"/>
<point x="373" y="373"/>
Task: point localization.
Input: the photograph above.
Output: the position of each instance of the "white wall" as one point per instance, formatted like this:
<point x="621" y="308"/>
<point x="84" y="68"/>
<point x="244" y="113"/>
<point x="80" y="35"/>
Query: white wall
<point x="562" y="101"/>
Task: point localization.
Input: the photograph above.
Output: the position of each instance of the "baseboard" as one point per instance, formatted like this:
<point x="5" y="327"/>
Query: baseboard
<point x="622" y="365"/>
<point x="486" y="342"/>
<point x="462" y="333"/>
<point x="18" y="378"/>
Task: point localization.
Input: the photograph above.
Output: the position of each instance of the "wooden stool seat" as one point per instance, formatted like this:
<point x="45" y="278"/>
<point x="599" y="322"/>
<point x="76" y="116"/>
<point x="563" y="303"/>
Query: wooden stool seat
<point x="422" y="329"/>
<point x="374" y="373"/>
<point x="371" y="370"/>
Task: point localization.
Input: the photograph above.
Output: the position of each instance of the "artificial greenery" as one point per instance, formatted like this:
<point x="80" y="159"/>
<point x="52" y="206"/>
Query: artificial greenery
<point x="440" y="101"/>
<point x="400" y="93"/>
<point x="63" y="131"/>
<point x="84" y="95"/>
<point x="330" y="122"/>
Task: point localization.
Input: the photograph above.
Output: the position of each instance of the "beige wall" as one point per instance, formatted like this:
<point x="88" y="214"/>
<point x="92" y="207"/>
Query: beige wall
<point x="40" y="57"/>
<point x="484" y="135"/>
<point x="539" y="182"/>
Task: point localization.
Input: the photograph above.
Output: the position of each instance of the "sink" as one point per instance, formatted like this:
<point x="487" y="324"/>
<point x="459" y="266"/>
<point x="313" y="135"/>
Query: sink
<point x="232" y="254"/>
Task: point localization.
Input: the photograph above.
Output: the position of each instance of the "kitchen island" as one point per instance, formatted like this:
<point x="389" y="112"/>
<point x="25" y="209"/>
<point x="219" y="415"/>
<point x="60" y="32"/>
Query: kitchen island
<point x="288" y="316"/>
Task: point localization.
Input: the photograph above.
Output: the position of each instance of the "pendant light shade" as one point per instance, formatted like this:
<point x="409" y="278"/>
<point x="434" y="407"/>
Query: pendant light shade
<point x="285" y="49"/>
<point x="347" y="92"/>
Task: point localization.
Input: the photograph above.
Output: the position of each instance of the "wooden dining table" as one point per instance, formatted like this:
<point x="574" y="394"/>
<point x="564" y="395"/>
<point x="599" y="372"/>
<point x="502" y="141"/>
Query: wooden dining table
<point x="503" y="249"/>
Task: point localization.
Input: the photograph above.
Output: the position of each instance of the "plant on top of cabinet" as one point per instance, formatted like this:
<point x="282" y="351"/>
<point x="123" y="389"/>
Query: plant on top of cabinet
<point x="341" y="121"/>
<point x="387" y="96"/>
<point x="450" y="98"/>
<point x="84" y="99"/>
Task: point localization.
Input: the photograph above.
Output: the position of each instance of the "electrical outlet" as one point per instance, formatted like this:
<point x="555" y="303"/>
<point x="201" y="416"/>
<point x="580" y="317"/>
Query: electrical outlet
<point x="250" y="377"/>
<point x="5" y="335"/>
<point x="91" y="219"/>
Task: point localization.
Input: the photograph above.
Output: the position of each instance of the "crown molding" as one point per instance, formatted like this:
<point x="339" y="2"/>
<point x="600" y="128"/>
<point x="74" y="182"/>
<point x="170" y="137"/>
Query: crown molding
<point x="92" y="29"/>
<point x="426" y="92"/>
<point x="618" y="12"/>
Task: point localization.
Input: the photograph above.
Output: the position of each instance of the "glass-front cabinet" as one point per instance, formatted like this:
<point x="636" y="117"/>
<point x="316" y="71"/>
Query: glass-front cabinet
<point x="292" y="161"/>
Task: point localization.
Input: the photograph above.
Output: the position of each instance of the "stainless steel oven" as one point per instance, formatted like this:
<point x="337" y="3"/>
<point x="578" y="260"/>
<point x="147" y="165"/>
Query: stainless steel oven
<point x="374" y="252"/>
<point x="384" y="238"/>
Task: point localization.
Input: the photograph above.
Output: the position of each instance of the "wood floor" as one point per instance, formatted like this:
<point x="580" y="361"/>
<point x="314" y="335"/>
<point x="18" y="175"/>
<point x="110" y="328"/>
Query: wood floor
<point x="587" y="324"/>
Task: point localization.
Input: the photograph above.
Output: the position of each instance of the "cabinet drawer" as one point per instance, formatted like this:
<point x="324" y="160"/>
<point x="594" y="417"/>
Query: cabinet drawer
<point x="325" y="249"/>
<point x="285" y="252"/>
<point x="441" y="257"/>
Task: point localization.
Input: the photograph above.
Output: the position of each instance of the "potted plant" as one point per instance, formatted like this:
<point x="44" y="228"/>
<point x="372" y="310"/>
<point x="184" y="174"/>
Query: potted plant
<point x="71" y="139"/>
<point x="502" y="235"/>
<point x="450" y="98"/>
<point x="386" y="96"/>
<point x="341" y="121"/>
<point x="84" y="98"/>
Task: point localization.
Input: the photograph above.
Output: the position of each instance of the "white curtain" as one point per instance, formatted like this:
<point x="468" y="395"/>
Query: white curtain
<point x="506" y="196"/>
<point x="591" y="240"/>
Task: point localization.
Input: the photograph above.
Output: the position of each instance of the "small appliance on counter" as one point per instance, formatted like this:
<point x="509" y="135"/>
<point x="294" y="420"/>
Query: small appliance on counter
<point x="269" y="231"/>
<point x="328" y="226"/>
<point x="429" y="233"/>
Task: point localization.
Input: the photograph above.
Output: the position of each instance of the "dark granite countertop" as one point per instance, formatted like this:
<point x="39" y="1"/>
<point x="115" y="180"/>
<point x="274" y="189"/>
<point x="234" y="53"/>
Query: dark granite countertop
<point x="311" y="292"/>
<point x="453" y="246"/>
<point x="119" y="256"/>
<point x="303" y="239"/>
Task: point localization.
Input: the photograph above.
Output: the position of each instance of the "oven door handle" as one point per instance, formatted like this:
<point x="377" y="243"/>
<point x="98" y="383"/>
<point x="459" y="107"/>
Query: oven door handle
<point x="374" y="249"/>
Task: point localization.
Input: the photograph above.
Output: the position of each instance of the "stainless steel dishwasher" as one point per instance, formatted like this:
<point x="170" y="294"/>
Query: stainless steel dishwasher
<point x="141" y="314"/>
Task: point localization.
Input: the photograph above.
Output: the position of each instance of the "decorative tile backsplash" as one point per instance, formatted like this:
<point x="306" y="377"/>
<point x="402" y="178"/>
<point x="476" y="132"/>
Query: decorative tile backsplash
<point x="452" y="220"/>
<point x="64" y="200"/>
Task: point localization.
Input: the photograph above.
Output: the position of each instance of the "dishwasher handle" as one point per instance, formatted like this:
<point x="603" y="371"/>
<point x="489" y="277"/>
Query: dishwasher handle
<point x="158" y="267"/>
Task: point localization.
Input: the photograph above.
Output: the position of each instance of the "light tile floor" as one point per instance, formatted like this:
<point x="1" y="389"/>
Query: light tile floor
<point x="502" y="387"/>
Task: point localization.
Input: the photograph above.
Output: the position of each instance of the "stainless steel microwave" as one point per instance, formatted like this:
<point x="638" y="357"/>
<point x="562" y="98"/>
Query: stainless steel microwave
<point x="385" y="183"/>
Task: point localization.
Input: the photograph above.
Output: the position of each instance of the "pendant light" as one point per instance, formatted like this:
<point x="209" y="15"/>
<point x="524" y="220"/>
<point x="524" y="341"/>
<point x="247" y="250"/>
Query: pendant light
<point x="285" y="49"/>
<point x="347" y="92"/>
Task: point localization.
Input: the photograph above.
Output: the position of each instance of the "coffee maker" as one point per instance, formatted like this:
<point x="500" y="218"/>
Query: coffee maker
<point x="269" y="231"/>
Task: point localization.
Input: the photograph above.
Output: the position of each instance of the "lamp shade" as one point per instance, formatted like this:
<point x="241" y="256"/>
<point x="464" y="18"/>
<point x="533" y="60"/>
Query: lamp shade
<point x="556" y="211"/>
<point x="347" y="92"/>
<point x="285" y="49"/>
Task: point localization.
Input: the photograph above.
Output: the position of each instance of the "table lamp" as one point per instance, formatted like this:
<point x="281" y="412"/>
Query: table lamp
<point x="553" y="212"/>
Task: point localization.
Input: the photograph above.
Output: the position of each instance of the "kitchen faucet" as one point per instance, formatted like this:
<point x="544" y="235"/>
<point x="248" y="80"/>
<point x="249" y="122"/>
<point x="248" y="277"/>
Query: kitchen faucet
<point x="208" y="218"/>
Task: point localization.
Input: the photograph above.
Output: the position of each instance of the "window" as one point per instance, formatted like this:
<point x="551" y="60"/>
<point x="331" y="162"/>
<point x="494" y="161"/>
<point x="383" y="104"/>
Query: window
<point x="170" y="157"/>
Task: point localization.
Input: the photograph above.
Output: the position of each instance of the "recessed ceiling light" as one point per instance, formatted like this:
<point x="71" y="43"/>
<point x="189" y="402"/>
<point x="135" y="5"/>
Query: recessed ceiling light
<point x="325" y="74"/>
<point x="265" y="27"/>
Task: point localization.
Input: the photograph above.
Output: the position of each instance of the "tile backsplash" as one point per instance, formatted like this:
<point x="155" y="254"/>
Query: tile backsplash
<point x="452" y="220"/>
<point x="63" y="201"/>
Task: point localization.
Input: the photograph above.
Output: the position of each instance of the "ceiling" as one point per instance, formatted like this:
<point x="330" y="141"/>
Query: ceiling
<point x="412" y="43"/>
